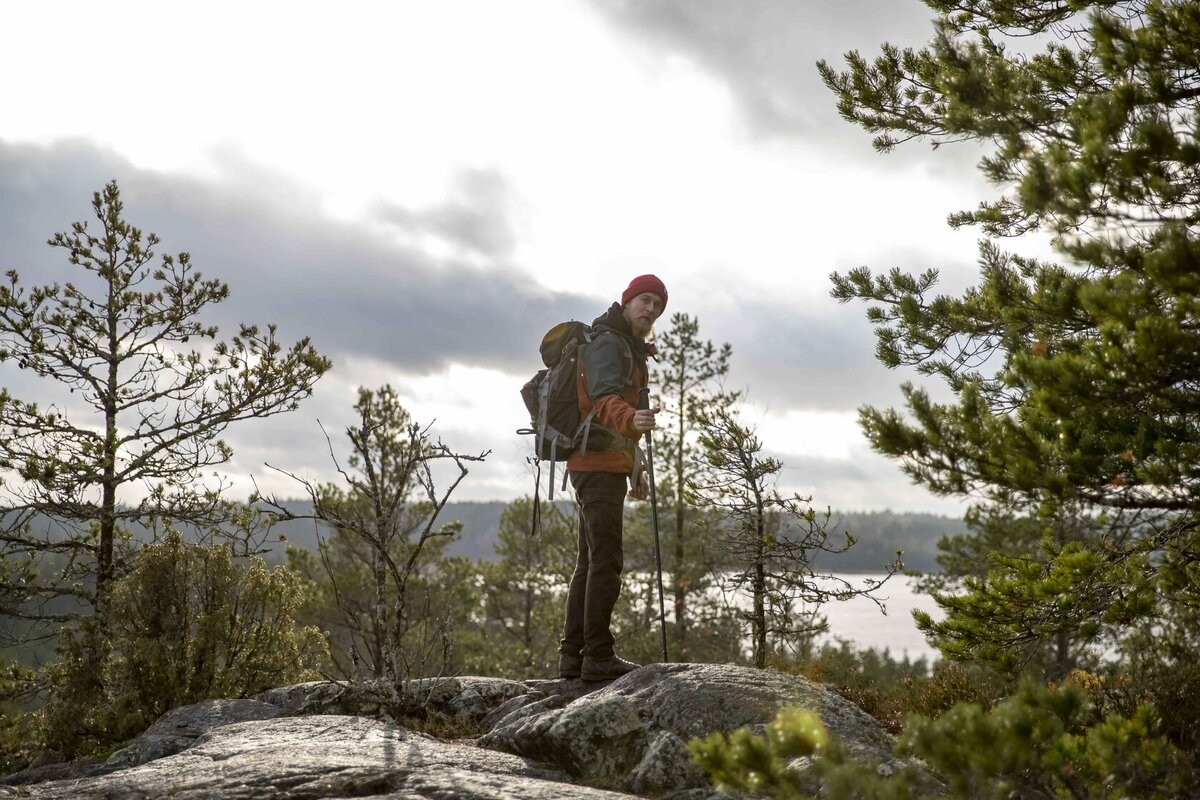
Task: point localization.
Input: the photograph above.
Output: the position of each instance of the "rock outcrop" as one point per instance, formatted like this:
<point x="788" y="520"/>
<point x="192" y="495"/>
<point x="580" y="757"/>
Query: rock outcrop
<point x="321" y="756"/>
<point x="321" y="740"/>
<point x="179" y="728"/>
<point x="466" y="699"/>
<point x="632" y="732"/>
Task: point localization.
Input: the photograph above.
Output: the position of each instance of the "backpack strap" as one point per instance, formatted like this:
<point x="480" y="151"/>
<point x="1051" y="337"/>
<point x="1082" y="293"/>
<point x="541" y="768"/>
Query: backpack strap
<point x="584" y="429"/>
<point x="627" y="362"/>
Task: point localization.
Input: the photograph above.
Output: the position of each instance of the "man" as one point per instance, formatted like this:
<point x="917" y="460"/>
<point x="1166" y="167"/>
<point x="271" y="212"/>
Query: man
<point x="612" y="373"/>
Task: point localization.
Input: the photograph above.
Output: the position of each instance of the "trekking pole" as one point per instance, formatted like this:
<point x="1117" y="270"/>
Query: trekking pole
<point x="644" y="404"/>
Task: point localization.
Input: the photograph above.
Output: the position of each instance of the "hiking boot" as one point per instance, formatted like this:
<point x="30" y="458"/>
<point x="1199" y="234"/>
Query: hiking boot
<point x="606" y="669"/>
<point x="569" y="666"/>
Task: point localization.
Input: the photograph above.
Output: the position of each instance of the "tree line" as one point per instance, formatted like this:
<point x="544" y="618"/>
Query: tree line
<point x="878" y="534"/>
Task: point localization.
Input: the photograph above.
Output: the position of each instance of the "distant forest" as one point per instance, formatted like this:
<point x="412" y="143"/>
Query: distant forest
<point x="878" y="535"/>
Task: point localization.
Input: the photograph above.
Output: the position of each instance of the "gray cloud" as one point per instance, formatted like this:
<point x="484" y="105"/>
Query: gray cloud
<point x="766" y="51"/>
<point x="351" y="290"/>
<point x="358" y="294"/>
<point x="475" y="217"/>
<point x="805" y="353"/>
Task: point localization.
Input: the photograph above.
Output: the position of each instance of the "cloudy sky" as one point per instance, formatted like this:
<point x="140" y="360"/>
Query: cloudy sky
<point x="424" y="188"/>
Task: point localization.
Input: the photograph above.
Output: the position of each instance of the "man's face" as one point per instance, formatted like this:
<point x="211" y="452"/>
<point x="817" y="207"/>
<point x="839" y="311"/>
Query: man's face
<point x="642" y="311"/>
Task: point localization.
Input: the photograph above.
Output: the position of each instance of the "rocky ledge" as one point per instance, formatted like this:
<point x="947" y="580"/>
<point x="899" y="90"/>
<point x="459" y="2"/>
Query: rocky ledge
<point x="541" y="739"/>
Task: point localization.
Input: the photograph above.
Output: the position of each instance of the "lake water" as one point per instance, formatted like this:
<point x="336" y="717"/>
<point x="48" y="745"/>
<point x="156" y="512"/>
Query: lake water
<point x="861" y="622"/>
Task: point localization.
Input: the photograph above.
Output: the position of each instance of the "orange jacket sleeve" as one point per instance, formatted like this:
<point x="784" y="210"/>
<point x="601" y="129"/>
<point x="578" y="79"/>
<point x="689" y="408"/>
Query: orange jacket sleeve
<point x="614" y="413"/>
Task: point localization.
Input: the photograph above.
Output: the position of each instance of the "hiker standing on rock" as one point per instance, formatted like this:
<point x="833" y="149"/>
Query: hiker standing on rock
<point x="612" y="373"/>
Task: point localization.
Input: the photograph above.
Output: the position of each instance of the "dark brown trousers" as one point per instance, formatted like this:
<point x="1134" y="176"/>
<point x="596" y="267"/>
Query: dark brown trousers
<point x="596" y="582"/>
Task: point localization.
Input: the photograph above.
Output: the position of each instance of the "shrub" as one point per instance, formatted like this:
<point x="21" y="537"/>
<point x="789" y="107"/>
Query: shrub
<point x="890" y="689"/>
<point x="188" y="623"/>
<point x="1161" y="665"/>
<point x="1036" y="743"/>
<point x="16" y="727"/>
<point x="787" y="763"/>
<point x="1039" y="743"/>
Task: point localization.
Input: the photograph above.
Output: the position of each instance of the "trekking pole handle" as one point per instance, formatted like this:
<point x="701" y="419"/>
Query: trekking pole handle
<point x="644" y="398"/>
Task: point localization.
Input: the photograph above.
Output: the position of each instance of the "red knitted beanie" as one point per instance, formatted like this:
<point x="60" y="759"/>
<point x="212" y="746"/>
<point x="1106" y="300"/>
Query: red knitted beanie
<point x="644" y="283"/>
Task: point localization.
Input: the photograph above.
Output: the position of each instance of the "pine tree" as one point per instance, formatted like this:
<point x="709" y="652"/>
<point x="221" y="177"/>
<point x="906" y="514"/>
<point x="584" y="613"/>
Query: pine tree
<point x="687" y="378"/>
<point x="146" y="408"/>
<point x="388" y="540"/>
<point x="768" y="539"/>
<point x="1018" y="634"/>
<point x="342" y="595"/>
<point x="1076" y="382"/>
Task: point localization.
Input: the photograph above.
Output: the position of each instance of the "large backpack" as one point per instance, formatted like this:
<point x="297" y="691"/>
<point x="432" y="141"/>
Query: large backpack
<point x="552" y="398"/>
